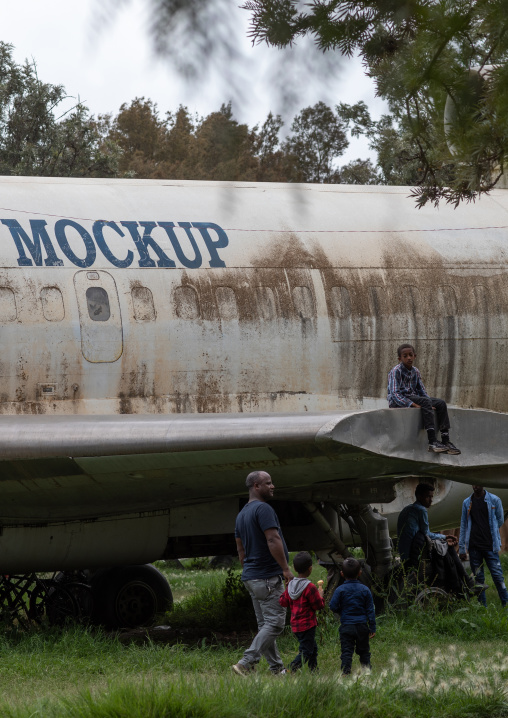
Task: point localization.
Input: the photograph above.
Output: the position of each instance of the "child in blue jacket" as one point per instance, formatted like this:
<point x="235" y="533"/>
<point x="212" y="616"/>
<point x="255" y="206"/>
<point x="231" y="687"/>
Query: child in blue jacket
<point x="353" y="602"/>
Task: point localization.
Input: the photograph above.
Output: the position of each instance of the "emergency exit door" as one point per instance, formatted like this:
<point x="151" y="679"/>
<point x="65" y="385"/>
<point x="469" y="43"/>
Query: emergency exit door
<point x="99" y="316"/>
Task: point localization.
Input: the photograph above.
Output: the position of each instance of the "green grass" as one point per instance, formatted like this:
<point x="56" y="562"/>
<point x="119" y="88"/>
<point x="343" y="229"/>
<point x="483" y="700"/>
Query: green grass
<point x="439" y="664"/>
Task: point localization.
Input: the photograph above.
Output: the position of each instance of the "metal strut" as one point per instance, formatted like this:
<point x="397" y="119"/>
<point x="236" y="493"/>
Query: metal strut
<point x="375" y="536"/>
<point x="336" y="541"/>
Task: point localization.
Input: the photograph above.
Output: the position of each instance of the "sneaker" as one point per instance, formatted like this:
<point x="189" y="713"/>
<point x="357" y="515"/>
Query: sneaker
<point x="451" y="448"/>
<point x="479" y="588"/>
<point x="242" y="670"/>
<point x="437" y="447"/>
<point x="281" y="672"/>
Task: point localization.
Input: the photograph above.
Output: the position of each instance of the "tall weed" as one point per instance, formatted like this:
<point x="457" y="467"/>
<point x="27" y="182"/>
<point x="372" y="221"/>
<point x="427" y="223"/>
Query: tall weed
<point x="223" y="605"/>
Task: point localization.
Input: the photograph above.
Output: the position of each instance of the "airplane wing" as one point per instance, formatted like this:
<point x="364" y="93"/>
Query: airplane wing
<point x="61" y="468"/>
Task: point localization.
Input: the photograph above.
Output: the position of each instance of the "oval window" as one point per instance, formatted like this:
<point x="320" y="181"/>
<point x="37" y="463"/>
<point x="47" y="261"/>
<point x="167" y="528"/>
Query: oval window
<point x="142" y="302"/>
<point x="340" y="302"/>
<point x="304" y="302"/>
<point x="8" y="311"/>
<point x="266" y="303"/>
<point x="226" y="301"/>
<point x="52" y="304"/>
<point x="97" y="301"/>
<point x="186" y="303"/>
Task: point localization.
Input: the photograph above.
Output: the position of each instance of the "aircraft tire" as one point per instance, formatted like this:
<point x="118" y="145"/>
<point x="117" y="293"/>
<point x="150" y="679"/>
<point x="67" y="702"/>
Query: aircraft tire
<point x="129" y="596"/>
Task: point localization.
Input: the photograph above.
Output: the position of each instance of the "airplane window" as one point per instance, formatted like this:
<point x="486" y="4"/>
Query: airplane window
<point x="412" y="296"/>
<point x="377" y="301"/>
<point x="303" y="302"/>
<point x="8" y="311"/>
<point x="446" y="301"/>
<point x="142" y="302"/>
<point x="52" y="304"/>
<point x="481" y="297"/>
<point x="226" y="301"/>
<point x="340" y="302"/>
<point x="186" y="303"/>
<point x="266" y="303"/>
<point x="98" y="304"/>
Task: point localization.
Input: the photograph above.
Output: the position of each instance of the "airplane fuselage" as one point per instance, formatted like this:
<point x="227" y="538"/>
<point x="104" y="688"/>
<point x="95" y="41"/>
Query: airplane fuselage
<point x="165" y="297"/>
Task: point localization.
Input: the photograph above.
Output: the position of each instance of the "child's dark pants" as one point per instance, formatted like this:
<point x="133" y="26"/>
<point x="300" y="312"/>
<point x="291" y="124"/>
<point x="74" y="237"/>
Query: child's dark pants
<point x="354" y="635"/>
<point x="308" y="650"/>
<point x="427" y="403"/>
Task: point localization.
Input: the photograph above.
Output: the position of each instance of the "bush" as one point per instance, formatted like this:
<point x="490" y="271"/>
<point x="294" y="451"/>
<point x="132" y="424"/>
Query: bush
<point x="223" y="606"/>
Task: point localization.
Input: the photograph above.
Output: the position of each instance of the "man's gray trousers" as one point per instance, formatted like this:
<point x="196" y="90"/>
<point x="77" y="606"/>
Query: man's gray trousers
<point x="270" y="616"/>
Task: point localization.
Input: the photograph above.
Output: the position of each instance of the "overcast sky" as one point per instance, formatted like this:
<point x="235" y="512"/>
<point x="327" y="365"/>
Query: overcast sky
<point x="110" y="60"/>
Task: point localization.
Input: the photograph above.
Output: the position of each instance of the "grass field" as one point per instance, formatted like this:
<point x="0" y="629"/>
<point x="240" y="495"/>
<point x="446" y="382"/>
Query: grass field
<point x="452" y="663"/>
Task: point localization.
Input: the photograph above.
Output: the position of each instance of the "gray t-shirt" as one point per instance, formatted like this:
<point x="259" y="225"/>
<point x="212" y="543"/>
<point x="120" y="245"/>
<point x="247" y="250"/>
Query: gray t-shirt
<point x="251" y="523"/>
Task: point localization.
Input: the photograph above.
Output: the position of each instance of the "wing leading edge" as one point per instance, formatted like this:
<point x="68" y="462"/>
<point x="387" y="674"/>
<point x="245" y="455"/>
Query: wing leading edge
<point x="74" y="467"/>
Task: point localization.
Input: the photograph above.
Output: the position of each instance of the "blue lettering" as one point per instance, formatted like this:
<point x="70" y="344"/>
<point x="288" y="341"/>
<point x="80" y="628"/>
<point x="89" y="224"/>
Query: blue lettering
<point x="39" y="241"/>
<point x="142" y="244"/>
<point x="190" y="263"/>
<point x="211" y="245"/>
<point x="39" y="232"/>
<point x="64" y="244"/>
<point x="98" y="232"/>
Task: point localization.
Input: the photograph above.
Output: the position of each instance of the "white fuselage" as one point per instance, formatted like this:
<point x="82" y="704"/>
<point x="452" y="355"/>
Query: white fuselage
<point x="267" y="297"/>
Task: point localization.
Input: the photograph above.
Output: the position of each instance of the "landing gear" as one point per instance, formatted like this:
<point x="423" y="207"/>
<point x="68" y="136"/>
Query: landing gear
<point x="53" y="603"/>
<point x="129" y="596"/>
<point x="29" y="599"/>
<point x="371" y="530"/>
<point x="121" y="597"/>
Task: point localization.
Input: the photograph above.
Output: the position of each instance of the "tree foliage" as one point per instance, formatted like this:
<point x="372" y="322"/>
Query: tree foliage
<point x="318" y="138"/>
<point x="140" y="142"/>
<point x="33" y="141"/>
<point x="217" y="147"/>
<point x="396" y="164"/>
<point x="419" y="52"/>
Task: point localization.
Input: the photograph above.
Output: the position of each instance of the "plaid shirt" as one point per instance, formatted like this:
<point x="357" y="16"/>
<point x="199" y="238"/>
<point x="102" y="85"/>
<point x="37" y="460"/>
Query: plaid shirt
<point x="303" y="609"/>
<point x="402" y="383"/>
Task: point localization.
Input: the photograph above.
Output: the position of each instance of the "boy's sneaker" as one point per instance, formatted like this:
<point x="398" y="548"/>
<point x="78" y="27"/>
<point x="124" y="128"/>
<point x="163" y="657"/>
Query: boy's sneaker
<point x="437" y="447"/>
<point x="241" y="670"/>
<point x="281" y="672"/>
<point x="451" y="448"/>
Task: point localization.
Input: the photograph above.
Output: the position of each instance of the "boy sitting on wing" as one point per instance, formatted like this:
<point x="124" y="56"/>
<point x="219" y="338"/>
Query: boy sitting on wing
<point x="406" y="389"/>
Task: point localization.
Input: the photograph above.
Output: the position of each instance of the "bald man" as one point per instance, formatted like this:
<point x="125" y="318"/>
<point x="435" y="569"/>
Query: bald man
<point x="264" y="557"/>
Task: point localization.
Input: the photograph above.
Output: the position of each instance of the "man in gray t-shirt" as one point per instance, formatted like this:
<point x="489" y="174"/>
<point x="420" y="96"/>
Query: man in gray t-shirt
<point x="264" y="557"/>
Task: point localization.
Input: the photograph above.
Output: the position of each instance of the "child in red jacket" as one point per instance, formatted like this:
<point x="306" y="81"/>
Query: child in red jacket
<point x="304" y="599"/>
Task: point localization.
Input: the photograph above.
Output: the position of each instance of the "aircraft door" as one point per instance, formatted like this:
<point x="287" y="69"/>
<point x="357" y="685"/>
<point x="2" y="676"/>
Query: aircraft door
<point x="99" y="316"/>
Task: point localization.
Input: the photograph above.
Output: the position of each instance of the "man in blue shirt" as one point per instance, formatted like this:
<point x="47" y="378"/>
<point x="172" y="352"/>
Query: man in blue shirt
<point x="482" y="517"/>
<point x="264" y="557"/>
<point x="412" y="532"/>
<point x="413" y="522"/>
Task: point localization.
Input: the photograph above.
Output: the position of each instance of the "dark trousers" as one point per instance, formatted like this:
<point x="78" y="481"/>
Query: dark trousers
<point x="476" y="560"/>
<point x="308" y="650"/>
<point x="426" y="404"/>
<point x="354" y="636"/>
